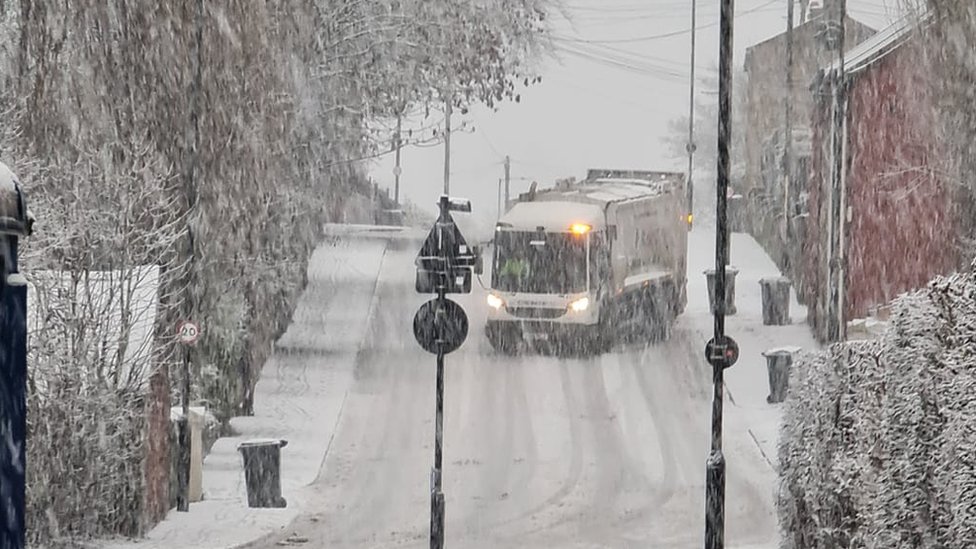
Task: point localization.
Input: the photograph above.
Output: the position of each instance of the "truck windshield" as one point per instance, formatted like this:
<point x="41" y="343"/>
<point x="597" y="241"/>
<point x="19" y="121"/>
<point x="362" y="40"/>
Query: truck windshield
<point x="553" y="263"/>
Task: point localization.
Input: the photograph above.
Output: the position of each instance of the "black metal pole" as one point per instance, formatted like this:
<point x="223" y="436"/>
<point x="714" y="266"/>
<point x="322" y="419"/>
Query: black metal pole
<point x="715" y="466"/>
<point x="13" y="395"/>
<point x="690" y="147"/>
<point x="436" y="494"/>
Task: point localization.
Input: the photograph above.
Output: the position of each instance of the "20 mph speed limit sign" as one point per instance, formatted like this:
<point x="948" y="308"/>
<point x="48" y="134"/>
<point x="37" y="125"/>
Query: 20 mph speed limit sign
<point x="188" y="332"/>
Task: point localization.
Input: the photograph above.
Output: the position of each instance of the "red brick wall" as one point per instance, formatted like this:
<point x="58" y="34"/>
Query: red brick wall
<point x="900" y="233"/>
<point x="158" y="451"/>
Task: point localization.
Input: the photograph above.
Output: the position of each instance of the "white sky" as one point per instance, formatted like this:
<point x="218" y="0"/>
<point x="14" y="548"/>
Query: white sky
<point x="590" y="112"/>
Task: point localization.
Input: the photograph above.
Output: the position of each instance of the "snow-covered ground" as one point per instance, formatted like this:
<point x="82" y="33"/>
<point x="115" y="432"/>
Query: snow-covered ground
<point x="378" y="400"/>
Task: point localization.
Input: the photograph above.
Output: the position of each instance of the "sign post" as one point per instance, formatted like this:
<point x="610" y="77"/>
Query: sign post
<point x="188" y="333"/>
<point x="444" y="266"/>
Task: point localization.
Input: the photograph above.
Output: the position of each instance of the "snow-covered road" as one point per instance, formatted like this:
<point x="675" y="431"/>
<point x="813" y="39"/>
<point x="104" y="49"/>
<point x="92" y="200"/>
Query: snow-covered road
<point x="539" y="451"/>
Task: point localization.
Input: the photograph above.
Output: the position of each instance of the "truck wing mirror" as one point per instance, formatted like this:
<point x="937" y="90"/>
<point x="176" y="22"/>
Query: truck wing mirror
<point x="479" y="264"/>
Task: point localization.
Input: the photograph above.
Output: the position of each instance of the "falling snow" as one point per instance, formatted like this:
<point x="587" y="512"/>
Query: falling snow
<point x="269" y="172"/>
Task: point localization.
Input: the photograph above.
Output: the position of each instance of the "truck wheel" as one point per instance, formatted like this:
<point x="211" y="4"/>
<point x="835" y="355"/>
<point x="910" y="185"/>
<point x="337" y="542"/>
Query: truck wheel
<point x="602" y="337"/>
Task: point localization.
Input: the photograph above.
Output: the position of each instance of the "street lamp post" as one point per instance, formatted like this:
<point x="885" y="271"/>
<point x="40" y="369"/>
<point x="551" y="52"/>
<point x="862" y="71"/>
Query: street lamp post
<point x="691" y="117"/>
<point x="397" y="170"/>
<point x="15" y="222"/>
<point x="721" y="352"/>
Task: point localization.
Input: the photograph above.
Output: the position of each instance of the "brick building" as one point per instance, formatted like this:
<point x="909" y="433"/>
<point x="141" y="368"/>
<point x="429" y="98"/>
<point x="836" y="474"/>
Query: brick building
<point x="765" y="90"/>
<point x="897" y="220"/>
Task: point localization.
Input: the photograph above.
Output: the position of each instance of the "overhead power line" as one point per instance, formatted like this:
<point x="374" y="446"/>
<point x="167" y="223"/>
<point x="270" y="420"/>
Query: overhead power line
<point x="666" y="34"/>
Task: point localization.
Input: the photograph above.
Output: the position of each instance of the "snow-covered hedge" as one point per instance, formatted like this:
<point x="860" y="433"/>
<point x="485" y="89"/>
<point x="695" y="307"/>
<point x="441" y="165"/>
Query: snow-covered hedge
<point x="878" y="444"/>
<point x="90" y="356"/>
<point x="85" y="464"/>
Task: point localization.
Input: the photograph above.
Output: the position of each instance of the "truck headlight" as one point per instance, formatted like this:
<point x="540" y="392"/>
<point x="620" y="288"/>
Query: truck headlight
<point x="495" y="302"/>
<point x="580" y="304"/>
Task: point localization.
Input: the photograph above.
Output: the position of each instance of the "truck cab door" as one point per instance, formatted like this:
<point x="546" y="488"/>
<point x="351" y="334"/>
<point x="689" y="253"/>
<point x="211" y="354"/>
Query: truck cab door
<point x="601" y="272"/>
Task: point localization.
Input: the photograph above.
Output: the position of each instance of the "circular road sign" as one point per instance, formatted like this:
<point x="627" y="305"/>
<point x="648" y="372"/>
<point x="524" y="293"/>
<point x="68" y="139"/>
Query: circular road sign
<point x="188" y="332"/>
<point x="725" y="356"/>
<point x="455" y="326"/>
<point x="397" y="171"/>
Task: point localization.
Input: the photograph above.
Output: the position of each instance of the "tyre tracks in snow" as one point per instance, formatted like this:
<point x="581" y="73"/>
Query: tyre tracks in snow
<point x="539" y="451"/>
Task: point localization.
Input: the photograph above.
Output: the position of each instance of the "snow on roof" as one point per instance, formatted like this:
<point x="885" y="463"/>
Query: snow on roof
<point x="585" y="202"/>
<point x="602" y="191"/>
<point x="882" y="43"/>
<point x="554" y="216"/>
<point x="8" y="180"/>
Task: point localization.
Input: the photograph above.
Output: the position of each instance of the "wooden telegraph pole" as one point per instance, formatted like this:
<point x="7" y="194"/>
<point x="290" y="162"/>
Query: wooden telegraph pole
<point x="788" y="145"/>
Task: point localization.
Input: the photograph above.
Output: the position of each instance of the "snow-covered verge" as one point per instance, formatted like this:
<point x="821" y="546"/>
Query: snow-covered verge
<point x="877" y="443"/>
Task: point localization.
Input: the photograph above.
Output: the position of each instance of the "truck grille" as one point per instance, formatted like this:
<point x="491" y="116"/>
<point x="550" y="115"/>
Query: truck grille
<point x="536" y="312"/>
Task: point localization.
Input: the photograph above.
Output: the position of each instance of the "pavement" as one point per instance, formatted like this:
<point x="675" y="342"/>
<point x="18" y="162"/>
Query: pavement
<point x="299" y="398"/>
<point x="747" y="383"/>
<point x="539" y="451"/>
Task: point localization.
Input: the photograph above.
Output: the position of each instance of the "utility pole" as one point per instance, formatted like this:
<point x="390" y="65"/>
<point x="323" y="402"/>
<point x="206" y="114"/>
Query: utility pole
<point x="397" y="170"/>
<point x="788" y="145"/>
<point x="721" y="352"/>
<point x="508" y="180"/>
<point x="192" y="141"/>
<point x="835" y="319"/>
<point x="447" y="146"/>
<point x="691" y="117"/>
<point x="499" y="203"/>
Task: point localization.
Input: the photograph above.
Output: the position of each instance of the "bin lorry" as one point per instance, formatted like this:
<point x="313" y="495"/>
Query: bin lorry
<point x="585" y="264"/>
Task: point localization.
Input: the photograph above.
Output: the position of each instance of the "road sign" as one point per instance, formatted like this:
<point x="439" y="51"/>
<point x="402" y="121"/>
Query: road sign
<point x="455" y="326"/>
<point x="397" y="171"/>
<point x="188" y="332"/>
<point x="724" y="355"/>
<point x="445" y="261"/>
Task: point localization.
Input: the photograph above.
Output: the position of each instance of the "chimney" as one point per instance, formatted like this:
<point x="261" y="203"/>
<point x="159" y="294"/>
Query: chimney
<point x="821" y="8"/>
<point x="816" y="9"/>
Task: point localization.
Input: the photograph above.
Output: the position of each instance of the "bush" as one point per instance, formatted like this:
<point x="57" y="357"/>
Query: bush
<point x="86" y="453"/>
<point x="876" y="445"/>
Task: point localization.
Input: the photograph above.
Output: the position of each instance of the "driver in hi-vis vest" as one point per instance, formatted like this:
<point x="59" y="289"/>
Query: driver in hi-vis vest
<point x="516" y="266"/>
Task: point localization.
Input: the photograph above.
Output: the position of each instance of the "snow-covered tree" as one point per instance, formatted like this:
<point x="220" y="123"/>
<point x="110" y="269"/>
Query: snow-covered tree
<point x="209" y="139"/>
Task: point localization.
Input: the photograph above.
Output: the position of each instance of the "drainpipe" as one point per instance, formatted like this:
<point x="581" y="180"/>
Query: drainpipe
<point x="842" y="221"/>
